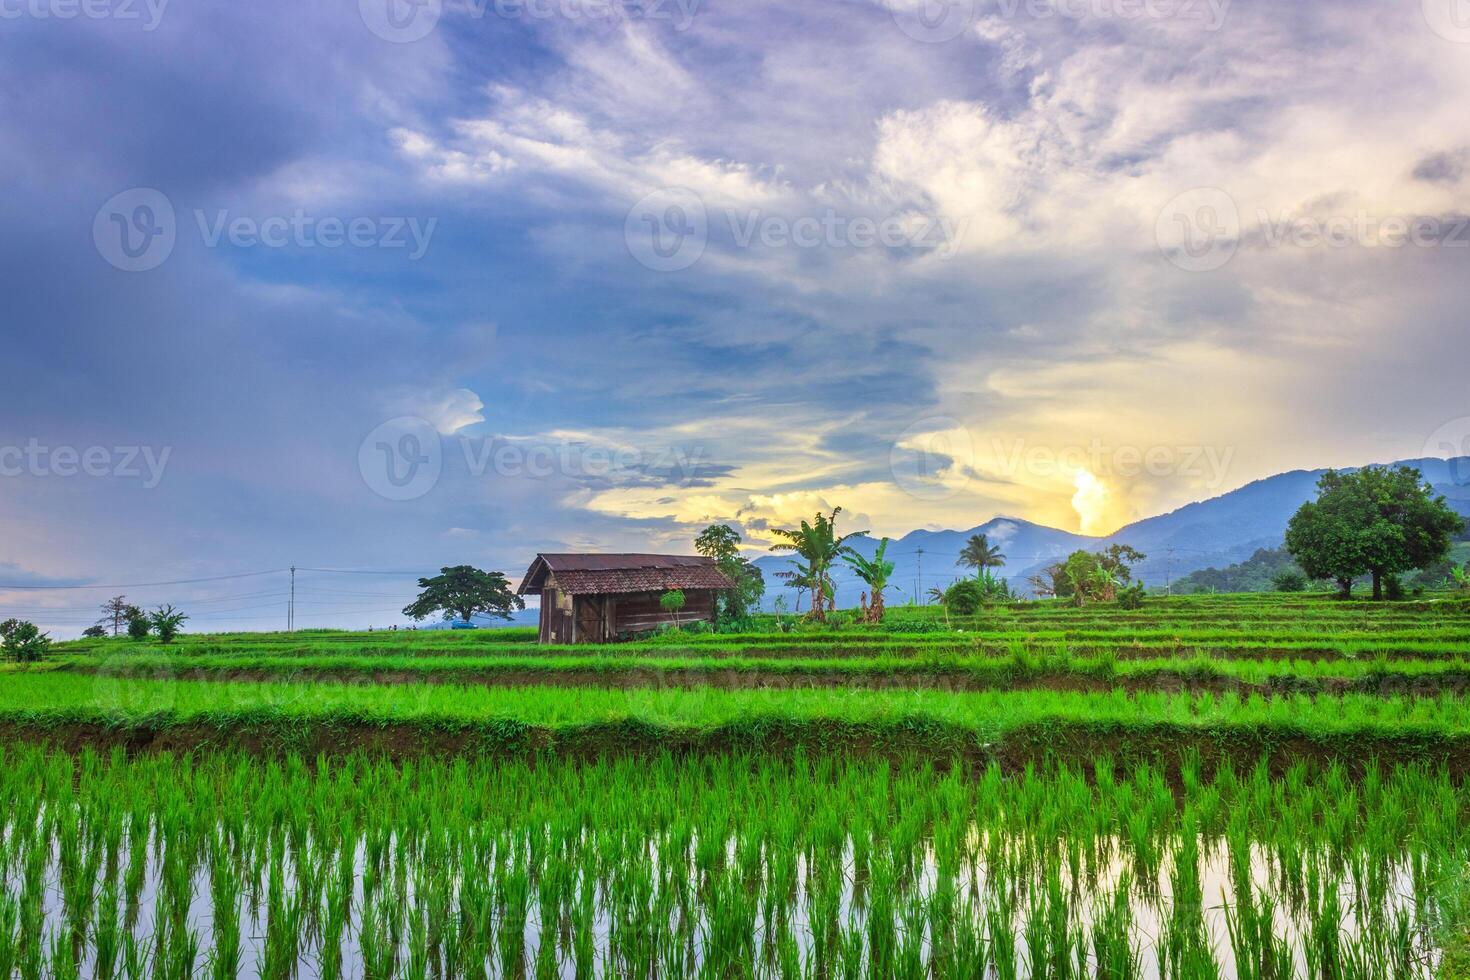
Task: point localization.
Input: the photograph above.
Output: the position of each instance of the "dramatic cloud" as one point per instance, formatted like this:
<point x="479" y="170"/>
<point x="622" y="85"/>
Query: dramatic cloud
<point x="1076" y="263"/>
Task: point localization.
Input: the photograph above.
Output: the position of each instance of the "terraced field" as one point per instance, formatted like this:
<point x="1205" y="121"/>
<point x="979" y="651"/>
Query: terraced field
<point x="1234" y="786"/>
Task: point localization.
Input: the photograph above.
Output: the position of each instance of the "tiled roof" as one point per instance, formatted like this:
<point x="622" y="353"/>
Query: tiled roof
<point x="603" y="574"/>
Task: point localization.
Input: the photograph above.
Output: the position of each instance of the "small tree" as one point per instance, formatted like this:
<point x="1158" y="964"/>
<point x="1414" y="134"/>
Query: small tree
<point x="463" y="591"/>
<point x="672" y="602"/>
<point x="876" y="572"/>
<point x="139" y="625"/>
<point x="23" y="642"/>
<point x="979" y="554"/>
<point x="116" y="613"/>
<point x="166" y="622"/>
<point x="1118" y="560"/>
<point x="722" y="543"/>
<point x="819" y="545"/>
<point x="97" y="632"/>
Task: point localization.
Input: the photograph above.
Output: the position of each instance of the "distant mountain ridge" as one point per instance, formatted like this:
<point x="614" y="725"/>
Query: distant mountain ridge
<point x="1216" y="532"/>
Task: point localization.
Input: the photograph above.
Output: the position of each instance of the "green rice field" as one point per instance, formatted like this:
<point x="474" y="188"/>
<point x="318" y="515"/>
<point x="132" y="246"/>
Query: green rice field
<point x="1264" y="787"/>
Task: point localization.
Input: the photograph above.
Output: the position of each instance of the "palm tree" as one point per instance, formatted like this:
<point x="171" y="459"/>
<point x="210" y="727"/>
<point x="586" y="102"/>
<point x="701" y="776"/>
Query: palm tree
<point x="876" y="572"/>
<point x="980" y="554"/>
<point x="819" y="545"/>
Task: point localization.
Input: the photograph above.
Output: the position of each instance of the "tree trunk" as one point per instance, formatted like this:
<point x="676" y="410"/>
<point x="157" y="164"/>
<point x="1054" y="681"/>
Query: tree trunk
<point x="1377" y="585"/>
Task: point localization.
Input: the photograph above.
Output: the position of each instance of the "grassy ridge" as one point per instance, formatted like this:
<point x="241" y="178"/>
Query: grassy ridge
<point x="1023" y="666"/>
<point x="1033" y="724"/>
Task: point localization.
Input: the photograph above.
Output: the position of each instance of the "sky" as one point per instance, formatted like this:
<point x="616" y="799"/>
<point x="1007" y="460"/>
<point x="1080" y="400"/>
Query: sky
<point x="377" y="286"/>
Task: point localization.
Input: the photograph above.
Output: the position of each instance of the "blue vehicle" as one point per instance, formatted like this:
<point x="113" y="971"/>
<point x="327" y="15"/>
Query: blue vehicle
<point x="459" y="625"/>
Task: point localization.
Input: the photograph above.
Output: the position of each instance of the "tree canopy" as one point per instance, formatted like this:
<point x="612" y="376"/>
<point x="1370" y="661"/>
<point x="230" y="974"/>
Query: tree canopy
<point x="819" y="545"/>
<point x="462" y="591"/>
<point x="722" y="543"/>
<point x="1376" y="521"/>
<point x="979" y="554"/>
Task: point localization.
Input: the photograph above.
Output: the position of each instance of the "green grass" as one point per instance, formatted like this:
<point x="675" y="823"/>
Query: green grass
<point x="731" y="867"/>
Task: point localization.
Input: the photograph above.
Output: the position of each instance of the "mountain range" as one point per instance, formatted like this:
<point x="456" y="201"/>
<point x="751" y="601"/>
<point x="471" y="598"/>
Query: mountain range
<point x="1210" y="533"/>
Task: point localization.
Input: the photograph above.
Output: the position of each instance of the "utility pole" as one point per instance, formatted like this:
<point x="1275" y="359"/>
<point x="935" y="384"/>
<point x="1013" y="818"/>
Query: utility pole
<point x="1169" y="575"/>
<point x="291" y="609"/>
<point x="919" y="578"/>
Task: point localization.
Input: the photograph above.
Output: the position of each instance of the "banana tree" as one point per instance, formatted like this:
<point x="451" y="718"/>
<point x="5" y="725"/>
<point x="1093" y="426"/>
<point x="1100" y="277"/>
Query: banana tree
<point x="819" y="545"/>
<point x="875" y="572"/>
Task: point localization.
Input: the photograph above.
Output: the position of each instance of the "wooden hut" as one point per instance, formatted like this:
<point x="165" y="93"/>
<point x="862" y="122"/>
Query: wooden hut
<point x="600" y="598"/>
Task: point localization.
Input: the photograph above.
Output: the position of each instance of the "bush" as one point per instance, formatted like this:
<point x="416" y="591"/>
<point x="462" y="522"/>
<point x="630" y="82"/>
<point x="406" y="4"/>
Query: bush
<point x="139" y="627"/>
<point x="1131" y="597"/>
<point x="965" y="597"/>
<point x="23" y="642"/>
<point x="94" y="632"/>
<point x="1290" y="581"/>
<point x="914" y="626"/>
<point x="1393" y="588"/>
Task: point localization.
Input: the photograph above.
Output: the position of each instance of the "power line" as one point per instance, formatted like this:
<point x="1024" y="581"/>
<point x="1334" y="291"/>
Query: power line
<point x="139" y="585"/>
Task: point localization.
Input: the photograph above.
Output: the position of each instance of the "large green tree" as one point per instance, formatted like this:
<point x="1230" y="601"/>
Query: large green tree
<point x="722" y="543"/>
<point x="819" y="545"/>
<point x="979" y="554"/>
<point x="463" y="591"/>
<point x="1377" y="521"/>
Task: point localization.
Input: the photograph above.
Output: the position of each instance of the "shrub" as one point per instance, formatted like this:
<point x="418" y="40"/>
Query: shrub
<point x="94" y="632"/>
<point x="1131" y="597"/>
<point x="1290" y="581"/>
<point x="23" y="642"/>
<point x="138" y="626"/>
<point x="965" y="597"/>
<point x="1393" y="588"/>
